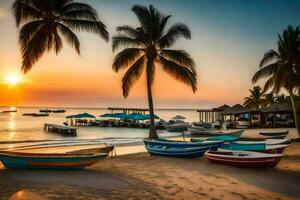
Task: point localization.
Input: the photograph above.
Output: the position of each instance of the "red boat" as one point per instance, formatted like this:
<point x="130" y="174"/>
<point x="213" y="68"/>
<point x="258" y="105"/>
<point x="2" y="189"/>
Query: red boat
<point x="243" y="158"/>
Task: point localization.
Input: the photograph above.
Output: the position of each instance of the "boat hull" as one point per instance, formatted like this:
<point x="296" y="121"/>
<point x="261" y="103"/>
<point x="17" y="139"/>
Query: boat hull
<point x="271" y="149"/>
<point x="208" y="133"/>
<point x="275" y="135"/>
<point x="179" y="152"/>
<point x="180" y="144"/>
<point x="245" y="162"/>
<point x="38" y="161"/>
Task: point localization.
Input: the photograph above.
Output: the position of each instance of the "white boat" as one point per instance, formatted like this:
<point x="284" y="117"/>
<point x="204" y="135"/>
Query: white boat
<point x="267" y="141"/>
<point x="199" y="129"/>
<point x="177" y="126"/>
<point x="213" y="132"/>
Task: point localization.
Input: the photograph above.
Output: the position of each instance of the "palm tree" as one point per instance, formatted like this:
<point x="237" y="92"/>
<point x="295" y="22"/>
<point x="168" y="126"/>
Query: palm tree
<point x="148" y="46"/>
<point x="282" y="99"/>
<point x="255" y="99"/>
<point x="269" y="99"/>
<point x="284" y="71"/>
<point x="41" y="24"/>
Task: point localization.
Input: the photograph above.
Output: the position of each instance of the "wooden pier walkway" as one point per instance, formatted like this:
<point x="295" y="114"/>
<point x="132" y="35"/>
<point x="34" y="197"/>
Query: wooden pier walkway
<point x="64" y="130"/>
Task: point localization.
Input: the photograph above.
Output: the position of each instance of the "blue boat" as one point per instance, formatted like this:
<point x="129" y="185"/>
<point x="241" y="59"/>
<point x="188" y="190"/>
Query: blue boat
<point x="278" y="135"/>
<point x="225" y="138"/>
<point x="182" y="144"/>
<point x="161" y="150"/>
<point x="244" y="147"/>
<point x="18" y="160"/>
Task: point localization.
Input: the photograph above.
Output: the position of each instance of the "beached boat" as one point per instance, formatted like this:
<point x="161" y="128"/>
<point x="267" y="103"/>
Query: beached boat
<point x="176" y="151"/>
<point x="182" y="144"/>
<point x="177" y="126"/>
<point x="278" y="135"/>
<point x="212" y="132"/>
<point x="224" y="138"/>
<point x="265" y="141"/>
<point x="273" y="149"/>
<point x="244" y="158"/>
<point x="49" y="160"/>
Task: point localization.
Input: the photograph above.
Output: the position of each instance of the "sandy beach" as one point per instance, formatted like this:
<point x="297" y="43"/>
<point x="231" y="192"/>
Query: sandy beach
<point x="141" y="176"/>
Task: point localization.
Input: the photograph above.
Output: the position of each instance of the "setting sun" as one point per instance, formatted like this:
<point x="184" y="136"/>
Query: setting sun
<point x="13" y="79"/>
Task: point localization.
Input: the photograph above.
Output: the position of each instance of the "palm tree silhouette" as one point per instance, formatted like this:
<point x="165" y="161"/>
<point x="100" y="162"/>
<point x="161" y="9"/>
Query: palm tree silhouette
<point x="148" y="46"/>
<point x="284" y="72"/>
<point x="42" y="23"/>
<point x="255" y="99"/>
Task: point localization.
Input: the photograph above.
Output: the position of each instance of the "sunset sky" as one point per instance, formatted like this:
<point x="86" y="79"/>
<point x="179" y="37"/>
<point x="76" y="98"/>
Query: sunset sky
<point x="228" y="40"/>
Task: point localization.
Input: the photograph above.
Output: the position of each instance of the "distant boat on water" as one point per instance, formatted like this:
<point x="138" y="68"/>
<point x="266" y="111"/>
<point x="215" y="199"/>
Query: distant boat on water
<point x="9" y="111"/>
<point x="36" y="114"/>
<point x="53" y="111"/>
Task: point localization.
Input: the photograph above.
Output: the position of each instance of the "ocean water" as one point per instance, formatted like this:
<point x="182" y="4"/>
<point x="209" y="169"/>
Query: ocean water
<point x="25" y="132"/>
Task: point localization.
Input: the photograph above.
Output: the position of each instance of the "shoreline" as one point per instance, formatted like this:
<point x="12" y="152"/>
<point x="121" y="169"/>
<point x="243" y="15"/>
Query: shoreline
<point x="142" y="176"/>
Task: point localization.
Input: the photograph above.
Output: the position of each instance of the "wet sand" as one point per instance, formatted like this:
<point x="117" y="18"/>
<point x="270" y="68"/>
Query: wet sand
<point x="141" y="176"/>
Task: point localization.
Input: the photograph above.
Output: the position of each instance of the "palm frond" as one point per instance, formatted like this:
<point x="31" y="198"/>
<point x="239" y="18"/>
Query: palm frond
<point x="132" y="75"/>
<point x="69" y="36"/>
<point x="123" y="41"/>
<point x="28" y="30"/>
<point x="173" y="34"/>
<point x="128" y="31"/>
<point x="23" y="11"/>
<point x="143" y="16"/>
<point x="179" y="56"/>
<point x="34" y="49"/>
<point x="58" y="45"/>
<point x="269" y="56"/>
<point x="269" y="84"/>
<point x="125" y="58"/>
<point x="179" y="72"/>
<point x="87" y="25"/>
<point x="265" y="72"/>
<point x="79" y="11"/>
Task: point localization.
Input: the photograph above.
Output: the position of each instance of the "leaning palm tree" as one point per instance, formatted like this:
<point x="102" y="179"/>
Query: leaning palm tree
<point x="282" y="67"/>
<point x="255" y="99"/>
<point x="147" y="47"/>
<point x="42" y="23"/>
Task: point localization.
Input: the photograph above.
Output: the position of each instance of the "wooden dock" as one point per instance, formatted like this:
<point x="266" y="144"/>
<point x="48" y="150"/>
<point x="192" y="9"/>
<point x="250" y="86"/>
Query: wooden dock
<point x="64" y="130"/>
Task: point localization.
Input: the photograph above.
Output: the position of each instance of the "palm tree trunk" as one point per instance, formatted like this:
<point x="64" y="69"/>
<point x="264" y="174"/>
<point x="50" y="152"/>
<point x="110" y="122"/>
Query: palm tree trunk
<point x="296" y="117"/>
<point x="152" y="130"/>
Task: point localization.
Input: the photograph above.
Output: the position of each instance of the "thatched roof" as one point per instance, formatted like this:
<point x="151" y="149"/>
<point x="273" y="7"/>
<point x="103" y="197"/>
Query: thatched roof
<point x="276" y="108"/>
<point x="221" y="108"/>
<point x="236" y="109"/>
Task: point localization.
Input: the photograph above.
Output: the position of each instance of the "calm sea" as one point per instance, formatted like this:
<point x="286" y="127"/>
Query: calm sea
<point x="18" y="131"/>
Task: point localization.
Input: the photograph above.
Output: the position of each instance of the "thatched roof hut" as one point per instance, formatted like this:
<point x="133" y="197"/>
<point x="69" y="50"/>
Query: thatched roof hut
<point x="221" y="108"/>
<point x="236" y="109"/>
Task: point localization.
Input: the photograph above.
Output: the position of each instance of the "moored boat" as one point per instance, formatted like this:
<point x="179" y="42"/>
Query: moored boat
<point x="244" y="158"/>
<point x="36" y="114"/>
<point x="225" y="138"/>
<point x="176" y="151"/>
<point x="49" y="160"/>
<point x="265" y="141"/>
<point x="183" y="144"/>
<point x="278" y="135"/>
<point x="209" y="132"/>
<point x="177" y="126"/>
<point x="273" y="149"/>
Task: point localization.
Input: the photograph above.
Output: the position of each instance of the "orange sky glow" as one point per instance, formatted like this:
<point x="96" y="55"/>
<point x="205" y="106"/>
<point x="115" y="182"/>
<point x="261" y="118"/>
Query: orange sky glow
<point x="225" y="64"/>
